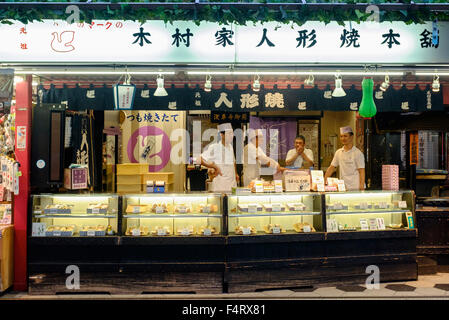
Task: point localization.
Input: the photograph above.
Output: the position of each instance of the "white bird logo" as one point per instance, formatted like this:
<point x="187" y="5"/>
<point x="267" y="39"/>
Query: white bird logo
<point x="63" y="42"/>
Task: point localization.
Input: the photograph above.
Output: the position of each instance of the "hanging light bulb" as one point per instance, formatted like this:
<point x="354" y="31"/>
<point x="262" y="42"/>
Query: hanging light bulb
<point x="436" y="83"/>
<point x="384" y="86"/>
<point x="208" y="84"/>
<point x="256" y="83"/>
<point x="338" y="91"/>
<point x="160" y="91"/>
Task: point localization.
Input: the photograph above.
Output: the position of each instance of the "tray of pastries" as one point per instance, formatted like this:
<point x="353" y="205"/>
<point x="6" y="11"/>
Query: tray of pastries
<point x="97" y="208"/>
<point x="395" y="226"/>
<point x="91" y="231"/>
<point x="245" y="230"/>
<point x="303" y="227"/>
<point x="207" y="231"/>
<point x="137" y="231"/>
<point x="273" y="229"/>
<point x="182" y="208"/>
<point x="208" y="208"/>
<point x="160" y="208"/>
<point x="136" y="208"/>
<point x="58" y="209"/>
<point x="60" y="231"/>
<point x="185" y="231"/>
<point x="161" y="231"/>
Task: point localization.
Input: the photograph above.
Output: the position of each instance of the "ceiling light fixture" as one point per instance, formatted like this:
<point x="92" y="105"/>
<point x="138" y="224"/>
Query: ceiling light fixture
<point x="256" y="83"/>
<point x="304" y="73"/>
<point x="160" y="91"/>
<point x="208" y="84"/>
<point x="436" y="83"/>
<point x="384" y="86"/>
<point x="338" y="91"/>
<point x="81" y="72"/>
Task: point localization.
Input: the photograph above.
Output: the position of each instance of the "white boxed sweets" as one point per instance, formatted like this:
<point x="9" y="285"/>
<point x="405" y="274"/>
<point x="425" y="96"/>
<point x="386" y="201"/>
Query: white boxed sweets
<point x="296" y="206"/>
<point x="150" y="186"/>
<point x="337" y="206"/>
<point x="249" y="207"/>
<point x="97" y="208"/>
<point x="274" y="207"/>
<point x="363" y="206"/>
<point x="297" y="180"/>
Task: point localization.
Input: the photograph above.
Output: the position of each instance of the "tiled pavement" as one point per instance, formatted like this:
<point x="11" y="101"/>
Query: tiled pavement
<point x="426" y="287"/>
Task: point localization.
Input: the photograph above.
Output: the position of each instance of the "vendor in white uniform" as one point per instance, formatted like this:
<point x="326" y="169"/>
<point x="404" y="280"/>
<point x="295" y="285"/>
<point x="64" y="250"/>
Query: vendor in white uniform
<point x="300" y="156"/>
<point x="350" y="160"/>
<point x="254" y="157"/>
<point x="220" y="157"/>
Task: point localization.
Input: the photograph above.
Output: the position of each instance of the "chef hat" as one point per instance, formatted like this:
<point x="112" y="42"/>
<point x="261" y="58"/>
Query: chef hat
<point x="224" y="126"/>
<point x="344" y="130"/>
<point x="253" y="133"/>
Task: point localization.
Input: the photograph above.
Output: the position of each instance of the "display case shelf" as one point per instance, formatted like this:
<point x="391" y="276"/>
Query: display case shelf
<point x="83" y="216"/>
<point x="274" y="214"/>
<point x="366" y="212"/>
<point x="165" y="215"/>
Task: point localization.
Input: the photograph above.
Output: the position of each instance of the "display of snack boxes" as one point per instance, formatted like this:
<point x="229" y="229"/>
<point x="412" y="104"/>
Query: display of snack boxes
<point x="57" y="209"/>
<point x="274" y="207"/>
<point x="159" y="187"/>
<point x="150" y="186"/>
<point x="93" y="231"/>
<point x="245" y="207"/>
<point x="97" y="209"/>
<point x="296" y="206"/>
<point x="337" y="206"/>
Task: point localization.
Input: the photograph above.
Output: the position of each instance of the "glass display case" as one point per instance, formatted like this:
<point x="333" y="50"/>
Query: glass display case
<point x="286" y="213"/>
<point x="193" y="214"/>
<point x="370" y="210"/>
<point x="64" y="215"/>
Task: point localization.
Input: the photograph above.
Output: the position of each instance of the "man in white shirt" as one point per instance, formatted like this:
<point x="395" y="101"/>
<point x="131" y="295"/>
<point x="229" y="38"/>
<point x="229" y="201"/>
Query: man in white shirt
<point x="299" y="156"/>
<point x="350" y="160"/>
<point x="220" y="157"/>
<point x="254" y="157"/>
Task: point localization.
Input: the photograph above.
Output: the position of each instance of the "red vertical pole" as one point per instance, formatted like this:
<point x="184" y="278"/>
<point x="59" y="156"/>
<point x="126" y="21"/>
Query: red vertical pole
<point x="23" y="118"/>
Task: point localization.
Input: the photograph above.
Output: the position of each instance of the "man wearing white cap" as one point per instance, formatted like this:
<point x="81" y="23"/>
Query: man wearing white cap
<point x="350" y="160"/>
<point x="220" y="157"/>
<point x="254" y="157"/>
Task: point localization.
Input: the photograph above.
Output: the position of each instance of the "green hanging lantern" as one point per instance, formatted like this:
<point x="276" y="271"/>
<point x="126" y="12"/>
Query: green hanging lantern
<point x="367" y="106"/>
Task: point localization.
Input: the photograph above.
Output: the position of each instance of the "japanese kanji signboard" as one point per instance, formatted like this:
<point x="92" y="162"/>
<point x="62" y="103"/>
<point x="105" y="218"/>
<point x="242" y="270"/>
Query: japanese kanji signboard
<point x="185" y="42"/>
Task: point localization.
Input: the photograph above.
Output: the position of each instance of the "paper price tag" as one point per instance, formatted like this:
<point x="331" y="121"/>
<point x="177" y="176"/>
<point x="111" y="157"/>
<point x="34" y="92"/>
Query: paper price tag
<point x="258" y="186"/>
<point x="136" y="210"/>
<point x="206" y="209"/>
<point x="363" y="206"/>
<point x="278" y="186"/>
<point x="136" y="232"/>
<point x="402" y="204"/>
<point x="364" y="224"/>
<point x="276" y="207"/>
<point x="332" y="225"/>
<point x="306" y="229"/>
<point x="91" y="233"/>
<point x="383" y="205"/>
<point x="320" y="187"/>
<point x="207" y="232"/>
<point x="373" y="224"/>
<point x="38" y="229"/>
<point x="246" y="231"/>
<point x="57" y="233"/>
<point x="159" y="209"/>
<point x="185" y="232"/>
<point x="252" y="208"/>
<point x="276" y="230"/>
<point x="96" y="210"/>
<point x="182" y="209"/>
<point x="161" y="232"/>
<point x="380" y="224"/>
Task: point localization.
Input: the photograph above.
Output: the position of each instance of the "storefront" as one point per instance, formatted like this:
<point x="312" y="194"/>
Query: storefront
<point x="118" y="196"/>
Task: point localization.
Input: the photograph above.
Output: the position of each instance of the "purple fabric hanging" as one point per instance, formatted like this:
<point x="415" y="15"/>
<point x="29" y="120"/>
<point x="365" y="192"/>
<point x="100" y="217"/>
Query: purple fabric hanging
<point x="287" y="130"/>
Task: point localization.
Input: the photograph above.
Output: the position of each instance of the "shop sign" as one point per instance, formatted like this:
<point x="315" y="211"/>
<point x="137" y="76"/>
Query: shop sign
<point x="112" y="41"/>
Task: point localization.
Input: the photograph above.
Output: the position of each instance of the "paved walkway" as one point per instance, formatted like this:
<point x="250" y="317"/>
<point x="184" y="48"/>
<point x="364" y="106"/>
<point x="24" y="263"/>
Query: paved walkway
<point x="427" y="287"/>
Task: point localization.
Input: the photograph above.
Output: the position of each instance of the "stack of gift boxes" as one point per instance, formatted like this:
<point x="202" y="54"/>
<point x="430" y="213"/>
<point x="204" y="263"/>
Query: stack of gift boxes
<point x="390" y="177"/>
